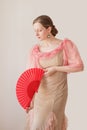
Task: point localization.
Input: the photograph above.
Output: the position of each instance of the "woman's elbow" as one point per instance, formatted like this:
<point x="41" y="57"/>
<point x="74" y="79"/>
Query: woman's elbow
<point x="81" y="67"/>
<point x="78" y="67"/>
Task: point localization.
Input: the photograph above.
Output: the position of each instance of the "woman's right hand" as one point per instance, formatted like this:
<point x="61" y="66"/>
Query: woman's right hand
<point x="49" y="71"/>
<point x="30" y="107"/>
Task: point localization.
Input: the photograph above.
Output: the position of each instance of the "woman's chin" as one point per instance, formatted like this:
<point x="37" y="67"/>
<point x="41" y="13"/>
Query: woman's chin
<point x="40" y="39"/>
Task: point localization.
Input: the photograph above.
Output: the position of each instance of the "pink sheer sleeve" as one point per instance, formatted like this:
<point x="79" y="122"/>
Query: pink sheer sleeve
<point x="33" y="56"/>
<point x="71" y="54"/>
<point x="30" y="60"/>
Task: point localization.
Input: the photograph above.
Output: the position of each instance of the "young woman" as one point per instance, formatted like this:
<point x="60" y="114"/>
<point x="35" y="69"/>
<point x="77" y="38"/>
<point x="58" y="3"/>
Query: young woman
<point x="58" y="58"/>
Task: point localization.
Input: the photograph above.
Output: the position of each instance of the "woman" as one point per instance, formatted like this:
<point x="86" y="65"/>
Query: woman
<point x="58" y="58"/>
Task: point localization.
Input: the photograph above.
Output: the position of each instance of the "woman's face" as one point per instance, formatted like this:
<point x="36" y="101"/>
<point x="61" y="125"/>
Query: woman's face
<point x="40" y="31"/>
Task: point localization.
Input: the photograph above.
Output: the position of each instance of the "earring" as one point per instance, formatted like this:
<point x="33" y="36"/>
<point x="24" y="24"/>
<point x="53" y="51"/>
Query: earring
<point x="48" y="36"/>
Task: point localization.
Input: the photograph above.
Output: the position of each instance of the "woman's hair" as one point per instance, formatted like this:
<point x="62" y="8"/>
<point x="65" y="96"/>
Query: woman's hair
<point x="46" y="21"/>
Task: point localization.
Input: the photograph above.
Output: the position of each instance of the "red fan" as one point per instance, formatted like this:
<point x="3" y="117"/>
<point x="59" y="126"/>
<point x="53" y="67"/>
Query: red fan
<point x="27" y="85"/>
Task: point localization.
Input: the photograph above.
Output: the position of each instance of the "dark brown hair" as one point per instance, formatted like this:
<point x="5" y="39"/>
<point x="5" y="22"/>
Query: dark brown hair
<point x="46" y="21"/>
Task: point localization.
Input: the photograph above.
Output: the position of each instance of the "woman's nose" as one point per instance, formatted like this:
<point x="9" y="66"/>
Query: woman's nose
<point x="36" y="33"/>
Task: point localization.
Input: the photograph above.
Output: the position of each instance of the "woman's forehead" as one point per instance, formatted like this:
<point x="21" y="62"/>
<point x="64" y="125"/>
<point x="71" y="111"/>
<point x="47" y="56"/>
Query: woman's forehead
<point x="38" y="25"/>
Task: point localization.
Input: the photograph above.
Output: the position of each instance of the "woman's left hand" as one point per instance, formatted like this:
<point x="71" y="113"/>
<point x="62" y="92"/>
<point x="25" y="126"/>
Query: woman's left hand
<point x="50" y="71"/>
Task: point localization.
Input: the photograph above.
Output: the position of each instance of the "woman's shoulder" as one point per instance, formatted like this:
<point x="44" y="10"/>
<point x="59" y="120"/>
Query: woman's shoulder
<point x="63" y="41"/>
<point x="66" y="40"/>
<point x="58" y="41"/>
<point x="34" y="46"/>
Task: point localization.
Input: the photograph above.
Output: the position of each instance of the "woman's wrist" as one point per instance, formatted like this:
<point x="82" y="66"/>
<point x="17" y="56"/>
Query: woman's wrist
<point x="56" y="68"/>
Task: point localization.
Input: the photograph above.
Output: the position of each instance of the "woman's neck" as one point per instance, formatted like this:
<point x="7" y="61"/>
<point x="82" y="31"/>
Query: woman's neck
<point x="48" y="41"/>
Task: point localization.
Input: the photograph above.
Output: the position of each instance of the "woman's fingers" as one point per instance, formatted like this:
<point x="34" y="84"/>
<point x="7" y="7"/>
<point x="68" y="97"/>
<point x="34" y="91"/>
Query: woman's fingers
<point x="28" y="109"/>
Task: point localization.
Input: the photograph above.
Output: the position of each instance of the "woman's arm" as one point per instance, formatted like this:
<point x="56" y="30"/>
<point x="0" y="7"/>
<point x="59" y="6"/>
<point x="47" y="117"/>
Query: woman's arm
<point x="31" y="105"/>
<point x="72" y="60"/>
<point x="70" y="69"/>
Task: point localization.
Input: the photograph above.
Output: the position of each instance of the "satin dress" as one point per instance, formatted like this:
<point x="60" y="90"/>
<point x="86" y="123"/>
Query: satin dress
<point x="48" y="112"/>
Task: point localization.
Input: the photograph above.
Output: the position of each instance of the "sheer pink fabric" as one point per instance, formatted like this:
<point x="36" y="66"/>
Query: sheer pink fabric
<point x="71" y="54"/>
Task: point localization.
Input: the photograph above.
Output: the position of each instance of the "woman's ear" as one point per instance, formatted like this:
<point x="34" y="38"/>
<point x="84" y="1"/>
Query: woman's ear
<point x="49" y="29"/>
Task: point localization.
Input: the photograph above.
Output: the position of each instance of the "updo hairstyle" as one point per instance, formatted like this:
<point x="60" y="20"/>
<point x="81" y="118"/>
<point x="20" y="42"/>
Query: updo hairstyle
<point x="46" y="21"/>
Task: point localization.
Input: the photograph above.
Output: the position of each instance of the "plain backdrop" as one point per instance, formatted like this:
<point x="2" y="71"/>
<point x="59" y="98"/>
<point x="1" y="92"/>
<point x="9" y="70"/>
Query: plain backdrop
<point x="17" y="37"/>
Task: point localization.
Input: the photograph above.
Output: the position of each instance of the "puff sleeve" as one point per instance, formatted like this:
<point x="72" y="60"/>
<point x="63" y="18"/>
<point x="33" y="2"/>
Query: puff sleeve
<point x="29" y="63"/>
<point x="32" y="61"/>
<point x="72" y="57"/>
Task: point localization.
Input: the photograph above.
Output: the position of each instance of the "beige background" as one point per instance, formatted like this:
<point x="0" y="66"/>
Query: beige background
<point x="17" y="36"/>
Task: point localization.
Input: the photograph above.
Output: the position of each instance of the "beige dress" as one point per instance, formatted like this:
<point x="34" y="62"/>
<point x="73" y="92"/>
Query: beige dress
<point x="50" y="101"/>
